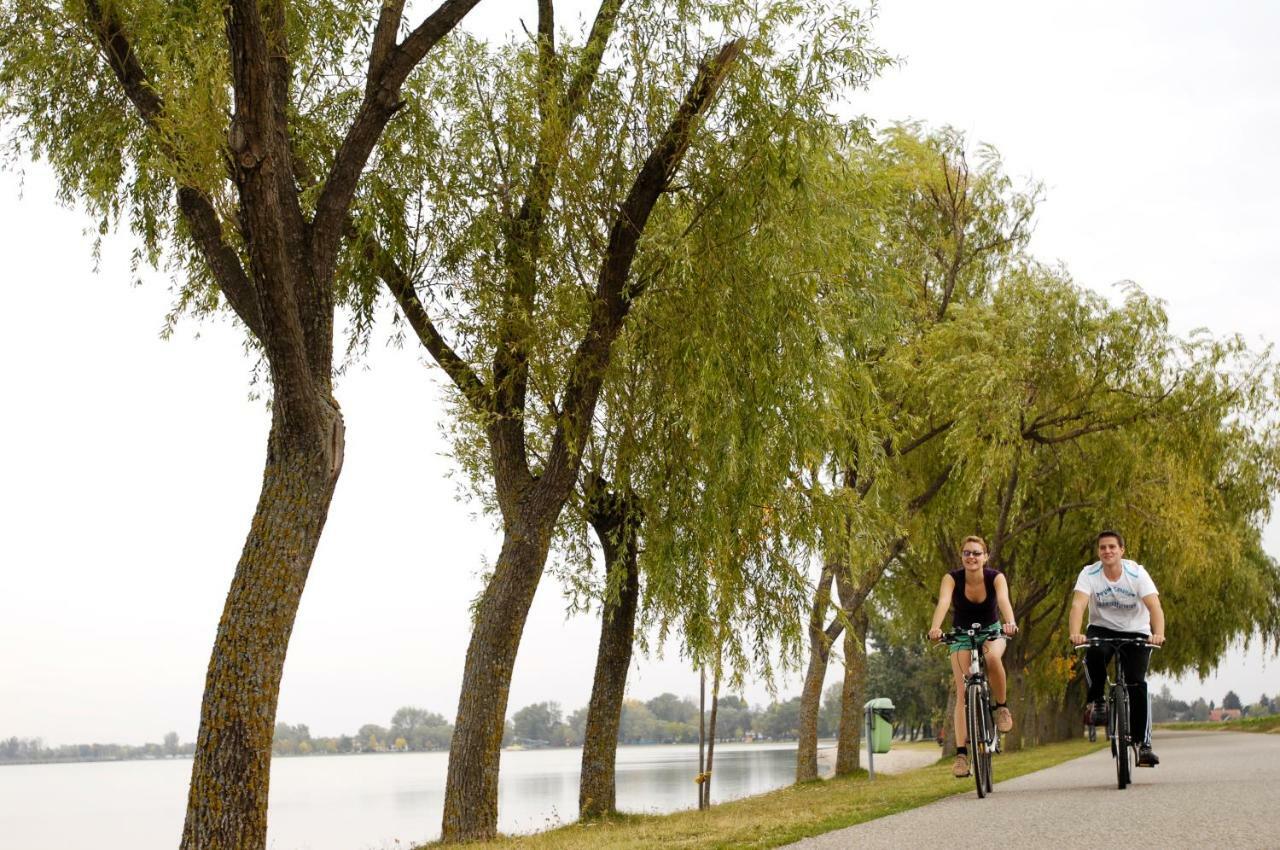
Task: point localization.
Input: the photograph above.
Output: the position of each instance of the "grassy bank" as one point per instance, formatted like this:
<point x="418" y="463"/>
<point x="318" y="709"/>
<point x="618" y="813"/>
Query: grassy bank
<point x="1270" y="723"/>
<point x="788" y="814"/>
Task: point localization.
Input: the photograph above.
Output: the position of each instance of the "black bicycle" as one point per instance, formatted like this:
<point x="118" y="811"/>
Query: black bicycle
<point x="1123" y="745"/>
<point x="984" y="738"/>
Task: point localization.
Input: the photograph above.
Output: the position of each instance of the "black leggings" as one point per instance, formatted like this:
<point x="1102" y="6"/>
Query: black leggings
<point x="1134" y="660"/>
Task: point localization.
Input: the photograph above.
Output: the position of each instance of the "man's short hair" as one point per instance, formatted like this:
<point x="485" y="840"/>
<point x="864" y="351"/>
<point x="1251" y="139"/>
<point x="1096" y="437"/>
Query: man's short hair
<point x="1109" y="532"/>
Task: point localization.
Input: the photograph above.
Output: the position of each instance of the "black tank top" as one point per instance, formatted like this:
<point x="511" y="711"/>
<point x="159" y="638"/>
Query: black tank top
<point x="966" y="613"/>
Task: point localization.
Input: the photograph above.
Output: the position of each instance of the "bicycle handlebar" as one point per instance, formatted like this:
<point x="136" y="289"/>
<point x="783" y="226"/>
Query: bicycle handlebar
<point x="984" y="632"/>
<point x="1106" y="641"/>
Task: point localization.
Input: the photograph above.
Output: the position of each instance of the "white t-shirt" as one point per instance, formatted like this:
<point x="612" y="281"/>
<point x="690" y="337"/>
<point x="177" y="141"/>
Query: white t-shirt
<point x="1118" y="605"/>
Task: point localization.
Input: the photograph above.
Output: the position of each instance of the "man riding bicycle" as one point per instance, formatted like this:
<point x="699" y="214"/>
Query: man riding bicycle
<point x="1123" y="603"/>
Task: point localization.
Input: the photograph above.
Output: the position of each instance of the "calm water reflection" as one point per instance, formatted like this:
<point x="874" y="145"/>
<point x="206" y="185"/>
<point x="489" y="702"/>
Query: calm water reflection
<point x="355" y="802"/>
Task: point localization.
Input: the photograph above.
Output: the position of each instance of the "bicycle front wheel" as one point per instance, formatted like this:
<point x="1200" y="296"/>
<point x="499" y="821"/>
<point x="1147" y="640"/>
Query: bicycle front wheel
<point x="989" y="735"/>
<point x="1122" y="743"/>
<point x="977" y="735"/>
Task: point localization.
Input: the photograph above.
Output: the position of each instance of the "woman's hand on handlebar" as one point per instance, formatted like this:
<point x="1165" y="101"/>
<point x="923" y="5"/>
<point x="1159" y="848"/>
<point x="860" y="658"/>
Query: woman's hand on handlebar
<point x="1010" y="629"/>
<point x="935" y="634"/>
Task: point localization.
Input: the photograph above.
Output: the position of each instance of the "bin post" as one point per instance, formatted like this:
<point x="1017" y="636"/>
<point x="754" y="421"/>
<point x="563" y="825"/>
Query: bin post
<point x="871" y="759"/>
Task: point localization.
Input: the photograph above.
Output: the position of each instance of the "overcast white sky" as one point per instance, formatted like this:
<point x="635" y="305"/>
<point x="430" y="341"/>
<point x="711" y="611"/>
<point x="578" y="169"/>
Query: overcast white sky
<point x="131" y="465"/>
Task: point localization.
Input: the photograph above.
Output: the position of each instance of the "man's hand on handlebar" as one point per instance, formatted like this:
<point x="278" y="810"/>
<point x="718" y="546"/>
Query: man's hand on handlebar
<point x="1157" y="640"/>
<point x="1078" y="639"/>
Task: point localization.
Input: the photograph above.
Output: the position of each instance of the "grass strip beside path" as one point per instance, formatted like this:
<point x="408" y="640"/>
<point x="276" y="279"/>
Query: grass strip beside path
<point x="791" y="813"/>
<point x="1270" y="723"/>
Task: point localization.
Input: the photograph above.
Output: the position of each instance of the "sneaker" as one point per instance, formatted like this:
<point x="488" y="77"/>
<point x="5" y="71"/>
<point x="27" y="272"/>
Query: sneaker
<point x="960" y="767"/>
<point x="1004" y="718"/>
<point x="1096" y="714"/>
<point x="1146" y="758"/>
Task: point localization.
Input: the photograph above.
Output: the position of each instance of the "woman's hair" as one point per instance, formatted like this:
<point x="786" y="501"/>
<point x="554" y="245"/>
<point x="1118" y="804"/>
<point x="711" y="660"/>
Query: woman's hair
<point x="973" y="538"/>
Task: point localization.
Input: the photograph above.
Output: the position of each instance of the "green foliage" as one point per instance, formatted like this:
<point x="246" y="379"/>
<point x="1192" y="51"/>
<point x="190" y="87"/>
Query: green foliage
<point x="420" y="729"/>
<point x="503" y="190"/>
<point x="1079" y="414"/>
<point x="539" y="723"/>
<point x="915" y="676"/>
<point x="62" y="104"/>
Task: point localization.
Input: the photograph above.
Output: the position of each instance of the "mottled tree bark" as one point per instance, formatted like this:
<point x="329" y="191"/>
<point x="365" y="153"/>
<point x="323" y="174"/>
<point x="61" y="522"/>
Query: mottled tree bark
<point x="227" y="803"/>
<point x="616" y="523"/>
<point x="471" y="794"/>
<point x="820" y="643"/>
<point x="853" y="693"/>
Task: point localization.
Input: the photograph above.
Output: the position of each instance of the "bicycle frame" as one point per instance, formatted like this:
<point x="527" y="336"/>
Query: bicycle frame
<point x="983" y="738"/>
<point x="1116" y="697"/>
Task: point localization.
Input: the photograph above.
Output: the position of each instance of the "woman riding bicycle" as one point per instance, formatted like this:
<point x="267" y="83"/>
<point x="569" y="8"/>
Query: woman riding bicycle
<point x="976" y="595"/>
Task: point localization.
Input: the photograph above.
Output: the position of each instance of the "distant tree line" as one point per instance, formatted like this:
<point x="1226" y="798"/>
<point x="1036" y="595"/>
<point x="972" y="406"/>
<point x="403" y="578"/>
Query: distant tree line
<point x="1166" y="709"/>
<point x="32" y="750"/>
<point x="665" y="719"/>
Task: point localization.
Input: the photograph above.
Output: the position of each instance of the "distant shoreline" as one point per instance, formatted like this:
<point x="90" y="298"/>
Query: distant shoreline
<point x="512" y="749"/>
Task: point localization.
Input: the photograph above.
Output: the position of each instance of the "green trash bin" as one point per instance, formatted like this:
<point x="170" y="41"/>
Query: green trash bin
<point x="881" y="710"/>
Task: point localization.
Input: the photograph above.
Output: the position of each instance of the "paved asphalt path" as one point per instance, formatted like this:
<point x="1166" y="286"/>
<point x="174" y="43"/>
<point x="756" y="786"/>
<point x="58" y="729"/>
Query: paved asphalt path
<point x="1211" y="790"/>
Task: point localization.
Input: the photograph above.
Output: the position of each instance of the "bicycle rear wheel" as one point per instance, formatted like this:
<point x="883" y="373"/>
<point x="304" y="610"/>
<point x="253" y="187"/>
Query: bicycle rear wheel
<point x="1122" y="744"/>
<point x="977" y="741"/>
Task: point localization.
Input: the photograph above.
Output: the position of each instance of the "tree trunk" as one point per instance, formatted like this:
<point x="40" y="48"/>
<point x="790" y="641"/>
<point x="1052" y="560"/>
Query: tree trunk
<point x="1020" y="702"/>
<point x="471" y="793"/>
<point x="820" y="641"/>
<point x="617" y="527"/>
<point x="227" y="802"/>
<point x="702" y="735"/>
<point x="853" y="694"/>
<point x="711" y="738"/>
<point x="949" y="721"/>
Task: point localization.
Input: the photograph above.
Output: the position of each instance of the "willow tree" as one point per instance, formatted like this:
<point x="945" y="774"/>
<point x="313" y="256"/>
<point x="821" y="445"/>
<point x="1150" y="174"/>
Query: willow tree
<point x="231" y="138"/>
<point x="696" y="433"/>
<point x="940" y="233"/>
<point x="544" y="230"/>
<point x="1097" y="416"/>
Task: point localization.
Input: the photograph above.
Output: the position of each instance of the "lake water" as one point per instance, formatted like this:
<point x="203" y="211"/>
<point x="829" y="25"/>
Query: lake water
<point x="355" y="802"/>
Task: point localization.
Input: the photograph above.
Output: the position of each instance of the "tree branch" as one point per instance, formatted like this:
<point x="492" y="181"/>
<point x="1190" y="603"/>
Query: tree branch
<point x="546" y="33"/>
<point x="920" y="501"/>
<point x="1036" y="436"/>
<point x="818" y="638"/>
<point x="592" y="54"/>
<point x="401" y="287"/>
<point x="612" y="300"/>
<point x="194" y="204"/>
<point x="206" y="230"/>
<point x="384" y="40"/>
<point x="295" y="304"/>
<point x="925" y="437"/>
<point x="124" y="62"/>
<point x="524" y="231"/>
<point x="1059" y="511"/>
<point x="381" y="101"/>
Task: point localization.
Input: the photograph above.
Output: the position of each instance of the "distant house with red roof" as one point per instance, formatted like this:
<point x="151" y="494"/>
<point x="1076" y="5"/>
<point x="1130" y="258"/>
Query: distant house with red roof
<point x="1218" y="715"/>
